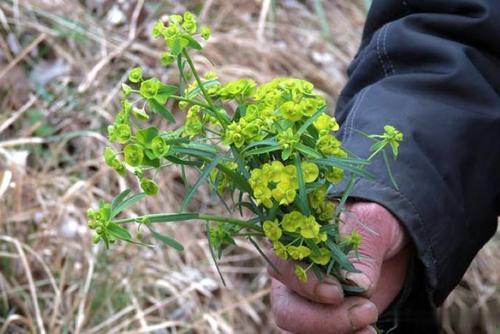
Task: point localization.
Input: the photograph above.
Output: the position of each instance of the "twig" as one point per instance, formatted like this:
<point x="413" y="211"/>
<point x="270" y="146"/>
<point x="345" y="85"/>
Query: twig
<point x="139" y="311"/>
<point x="17" y="114"/>
<point x="27" y="268"/>
<point x="83" y="296"/>
<point x="23" y="54"/>
<point x="135" y="16"/>
<point x="266" y="5"/>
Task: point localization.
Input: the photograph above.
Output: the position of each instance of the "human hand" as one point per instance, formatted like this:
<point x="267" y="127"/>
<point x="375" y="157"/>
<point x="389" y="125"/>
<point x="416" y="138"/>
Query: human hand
<point x="320" y="307"/>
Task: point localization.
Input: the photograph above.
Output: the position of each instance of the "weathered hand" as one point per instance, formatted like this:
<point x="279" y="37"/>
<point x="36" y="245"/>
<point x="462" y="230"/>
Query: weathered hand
<point x="320" y="307"/>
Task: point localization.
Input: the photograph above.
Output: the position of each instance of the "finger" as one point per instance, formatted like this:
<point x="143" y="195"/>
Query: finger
<point x="382" y="237"/>
<point x="329" y="291"/>
<point x="391" y="280"/>
<point x="299" y="315"/>
<point x="367" y="330"/>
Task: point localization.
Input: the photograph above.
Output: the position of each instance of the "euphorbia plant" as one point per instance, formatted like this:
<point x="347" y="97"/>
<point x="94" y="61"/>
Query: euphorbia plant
<point x="271" y="148"/>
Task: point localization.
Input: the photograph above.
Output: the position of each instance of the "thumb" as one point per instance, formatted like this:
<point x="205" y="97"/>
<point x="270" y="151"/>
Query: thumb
<point x="382" y="238"/>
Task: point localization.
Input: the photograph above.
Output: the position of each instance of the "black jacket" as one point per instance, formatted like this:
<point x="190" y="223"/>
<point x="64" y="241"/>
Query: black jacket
<point x="432" y="69"/>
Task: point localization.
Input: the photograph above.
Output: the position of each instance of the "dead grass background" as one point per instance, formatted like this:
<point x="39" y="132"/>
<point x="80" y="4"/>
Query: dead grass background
<point x="61" y="64"/>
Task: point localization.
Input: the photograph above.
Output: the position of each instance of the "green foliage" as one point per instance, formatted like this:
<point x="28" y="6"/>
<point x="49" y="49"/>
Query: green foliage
<point x="272" y="148"/>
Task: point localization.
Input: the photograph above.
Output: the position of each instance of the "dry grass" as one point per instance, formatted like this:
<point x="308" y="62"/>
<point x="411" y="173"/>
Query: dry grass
<point x="61" y="63"/>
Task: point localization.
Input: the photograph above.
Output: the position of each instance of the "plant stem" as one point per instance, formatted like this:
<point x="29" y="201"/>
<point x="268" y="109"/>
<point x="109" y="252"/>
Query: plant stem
<point x="231" y="221"/>
<point x="250" y="234"/>
<point x="180" y="98"/>
<point x="162" y="217"/>
<point x="198" y="80"/>
<point x="376" y="152"/>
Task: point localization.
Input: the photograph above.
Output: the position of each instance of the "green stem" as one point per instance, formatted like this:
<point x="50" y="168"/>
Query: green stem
<point x="162" y="217"/>
<point x="231" y="221"/>
<point x="376" y="152"/>
<point x="250" y="234"/>
<point x="198" y="80"/>
<point x="291" y="243"/>
<point x="180" y="98"/>
<point x="345" y="195"/>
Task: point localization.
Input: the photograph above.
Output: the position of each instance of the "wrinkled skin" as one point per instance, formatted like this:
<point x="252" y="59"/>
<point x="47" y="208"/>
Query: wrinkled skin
<point x="315" y="307"/>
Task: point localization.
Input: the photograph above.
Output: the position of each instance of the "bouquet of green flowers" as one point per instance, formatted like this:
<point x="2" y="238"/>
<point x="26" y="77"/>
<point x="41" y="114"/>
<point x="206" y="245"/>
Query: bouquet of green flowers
<point x="270" y="148"/>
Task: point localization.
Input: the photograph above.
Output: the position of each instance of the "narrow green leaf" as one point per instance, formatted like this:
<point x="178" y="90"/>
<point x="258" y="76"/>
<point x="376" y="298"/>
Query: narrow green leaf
<point x="267" y="142"/>
<point x="318" y="273"/>
<point x="251" y="206"/>
<point x="241" y="162"/>
<point x="178" y="161"/>
<point x="162" y="110"/>
<point x="314" y="248"/>
<point x="328" y="227"/>
<point x="352" y="161"/>
<point x="167" y="89"/>
<point x="167" y="240"/>
<point x="285" y="154"/>
<point x="334" y="162"/>
<point x="192" y="43"/>
<point x="177" y="45"/>
<point x="182" y="77"/>
<point x="119" y="198"/>
<point x="172" y="141"/>
<point x="192" y="191"/>
<point x="330" y="267"/>
<point x="377" y="145"/>
<point x="146" y="136"/>
<point x="306" y="150"/>
<point x="346" y="194"/>
<point x="119" y="232"/>
<point x="388" y="166"/>
<point x="197" y="89"/>
<point x="310" y="121"/>
<point x="301" y="201"/>
<point x="340" y="257"/>
<point x="126" y="203"/>
<point x="155" y="163"/>
<point x="203" y="147"/>
<point x="262" y="150"/>
<point x="164" y="93"/>
<point x="204" y="155"/>
<point x="236" y="178"/>
<point x="352" y="290"/>
<point x="264" y="256"/>
<point x="273" y="211"/>
<point x="212" y="254"/>
<point x="171" y="217"/>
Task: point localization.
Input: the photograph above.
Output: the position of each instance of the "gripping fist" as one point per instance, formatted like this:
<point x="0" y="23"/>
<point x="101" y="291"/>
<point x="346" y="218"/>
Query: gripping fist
<point x="320" y="307"/>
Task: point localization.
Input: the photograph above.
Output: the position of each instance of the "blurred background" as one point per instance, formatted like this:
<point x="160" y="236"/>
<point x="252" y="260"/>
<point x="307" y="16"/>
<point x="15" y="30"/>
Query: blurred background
<point x="61" y="66"/>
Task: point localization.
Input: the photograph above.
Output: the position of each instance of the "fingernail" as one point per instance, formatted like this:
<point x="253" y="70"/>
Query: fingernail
<point x="360" y="280"/>
<point x="363" y="314"/>
<point x="326" y="291"/>
<point x="367" y="330"/>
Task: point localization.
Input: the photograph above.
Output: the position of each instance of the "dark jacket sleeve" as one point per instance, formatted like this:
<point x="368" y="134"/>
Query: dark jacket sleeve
<point x="432" y="69"/>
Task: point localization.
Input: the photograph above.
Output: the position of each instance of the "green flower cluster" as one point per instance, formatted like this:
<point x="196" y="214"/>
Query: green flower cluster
<point x="284" y="99"/>
<point x="300" y="238"/>
<point x="178" y="35"/>
<point x="143" y="148"/>
<point x="100" y="220"/>
<point x="275" y="181"/>
<point x="270" y="148"/>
